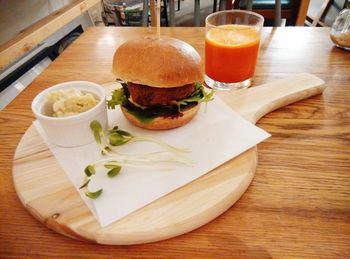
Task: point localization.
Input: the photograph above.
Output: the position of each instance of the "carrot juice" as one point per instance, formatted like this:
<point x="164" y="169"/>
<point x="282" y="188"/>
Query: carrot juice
<point x="231" y="52"/>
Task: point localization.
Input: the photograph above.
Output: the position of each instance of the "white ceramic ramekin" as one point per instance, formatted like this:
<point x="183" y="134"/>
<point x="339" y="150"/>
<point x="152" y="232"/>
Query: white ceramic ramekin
<point x="71" y="131"/>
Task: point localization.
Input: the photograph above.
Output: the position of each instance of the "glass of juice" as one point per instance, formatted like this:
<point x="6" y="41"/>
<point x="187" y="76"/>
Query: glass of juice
<point x="231" y="48"/>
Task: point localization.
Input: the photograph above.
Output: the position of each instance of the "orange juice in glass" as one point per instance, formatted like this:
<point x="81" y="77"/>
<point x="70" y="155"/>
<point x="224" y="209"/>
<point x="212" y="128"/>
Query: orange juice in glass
<point x="231" y="48"/>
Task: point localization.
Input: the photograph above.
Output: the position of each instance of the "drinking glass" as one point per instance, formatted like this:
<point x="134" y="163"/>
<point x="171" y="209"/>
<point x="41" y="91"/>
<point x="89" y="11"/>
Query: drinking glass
<point x="231" y="48"/>
<point x="340" y="31"/>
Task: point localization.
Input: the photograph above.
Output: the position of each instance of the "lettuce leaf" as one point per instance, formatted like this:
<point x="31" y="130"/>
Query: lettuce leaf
<point x="199" y="95"/>
<point x="146" y="115"/>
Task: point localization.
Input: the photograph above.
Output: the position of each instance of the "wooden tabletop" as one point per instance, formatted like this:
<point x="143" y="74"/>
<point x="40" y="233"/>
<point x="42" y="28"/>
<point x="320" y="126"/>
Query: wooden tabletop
<point x="298" y="204"/>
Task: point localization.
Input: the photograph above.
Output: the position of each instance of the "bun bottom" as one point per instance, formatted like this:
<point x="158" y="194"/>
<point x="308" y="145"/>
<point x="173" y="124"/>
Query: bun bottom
<point x="161" y="123"/>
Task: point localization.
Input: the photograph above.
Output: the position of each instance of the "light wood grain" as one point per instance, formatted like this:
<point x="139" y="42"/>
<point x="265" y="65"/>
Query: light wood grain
<point x="49" y="197"/>
<point x="36" y="33"/>
<point x="298" y="204"/>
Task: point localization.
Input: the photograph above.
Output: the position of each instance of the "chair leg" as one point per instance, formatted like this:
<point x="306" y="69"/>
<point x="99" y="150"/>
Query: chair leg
<point x="214" y="5"/>
<point x="277" y="13"/>
<point x="222" y="4"/>
<point x="197" y="13"/>
<point x="165" y="12"/>
<point x="145" y="13"/>
<point x="235" y="5"/>
<point x="249" y="5"/>
<point x="172" y="12"/>
<point x="178" y="5"/>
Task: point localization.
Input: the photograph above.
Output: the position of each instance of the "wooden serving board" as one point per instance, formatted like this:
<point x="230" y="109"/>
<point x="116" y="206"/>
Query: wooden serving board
<point x="49" y="196"/>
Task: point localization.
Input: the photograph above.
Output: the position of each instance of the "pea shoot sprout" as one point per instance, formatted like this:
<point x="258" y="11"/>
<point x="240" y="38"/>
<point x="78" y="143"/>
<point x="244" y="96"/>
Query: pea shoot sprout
<point x="108" y="140"/>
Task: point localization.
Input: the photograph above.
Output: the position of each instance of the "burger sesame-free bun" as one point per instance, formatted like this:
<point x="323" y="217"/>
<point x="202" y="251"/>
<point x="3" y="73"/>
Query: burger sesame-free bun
<point x="158" y="62"/>
<point x="161" y="123"/>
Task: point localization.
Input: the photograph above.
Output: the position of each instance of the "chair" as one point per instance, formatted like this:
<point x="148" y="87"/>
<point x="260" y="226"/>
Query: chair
<point x="139" y="16"/>
<point x="326" y="13"/>
<point x="294" y="11"/>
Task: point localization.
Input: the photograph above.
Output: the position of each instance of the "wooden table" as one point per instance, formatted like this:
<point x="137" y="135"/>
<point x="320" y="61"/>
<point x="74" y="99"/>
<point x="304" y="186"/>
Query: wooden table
<point x="298" y="204"/>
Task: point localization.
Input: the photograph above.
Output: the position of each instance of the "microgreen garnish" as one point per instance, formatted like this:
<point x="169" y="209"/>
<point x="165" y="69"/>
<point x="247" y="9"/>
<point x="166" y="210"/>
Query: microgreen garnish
<point x="111" y="165"/>
<point x="109" y="139"/>
<point x="113" y="172"/>
<point x="89" y="170"/>
<point x="96" y="129"/>
<point x="85" y="184"/>
<point x="117" y="139"/>
<point x="91" y="195"/>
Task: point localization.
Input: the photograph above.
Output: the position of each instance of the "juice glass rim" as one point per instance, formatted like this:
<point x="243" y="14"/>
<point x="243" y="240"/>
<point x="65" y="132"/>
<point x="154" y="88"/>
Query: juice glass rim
<point x="260" y="17"/>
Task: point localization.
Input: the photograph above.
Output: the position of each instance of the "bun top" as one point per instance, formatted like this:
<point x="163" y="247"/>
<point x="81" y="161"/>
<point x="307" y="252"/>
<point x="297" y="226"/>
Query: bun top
<point x="158" y="62"/>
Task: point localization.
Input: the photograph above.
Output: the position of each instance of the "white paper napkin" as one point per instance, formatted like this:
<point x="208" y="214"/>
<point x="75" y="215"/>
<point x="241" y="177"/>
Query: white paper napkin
<point x="214" y="136"/>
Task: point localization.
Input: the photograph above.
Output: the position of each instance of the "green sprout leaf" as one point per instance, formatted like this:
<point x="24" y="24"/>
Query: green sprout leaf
<point x="106" y="150"/>
<point x="114" y="129"/>
<point x="111" y="164"/>
<point x="95" y="126"/>
<point x="124" y="133"/>
<point x="97" y="137"/>
<point x="113" y="172"/>
<point x="93" y="195"/>
<point x="85" y="184"/>
<point x="116" y="139"/>
<point x="97" y="130"/>
<point x="89" y="170"/>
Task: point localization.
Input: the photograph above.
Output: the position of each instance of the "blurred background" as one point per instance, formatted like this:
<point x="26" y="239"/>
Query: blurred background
<point x="34" y="32"/>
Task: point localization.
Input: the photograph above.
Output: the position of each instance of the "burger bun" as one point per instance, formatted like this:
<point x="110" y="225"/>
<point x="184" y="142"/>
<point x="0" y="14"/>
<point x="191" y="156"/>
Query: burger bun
<point x="158" y="62"/>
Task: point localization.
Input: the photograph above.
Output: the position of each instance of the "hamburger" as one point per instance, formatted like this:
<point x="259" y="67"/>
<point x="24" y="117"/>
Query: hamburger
<point x="160" y="80"/>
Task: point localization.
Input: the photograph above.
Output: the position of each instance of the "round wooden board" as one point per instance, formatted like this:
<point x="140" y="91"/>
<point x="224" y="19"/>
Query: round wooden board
<point x="48" y="195"/>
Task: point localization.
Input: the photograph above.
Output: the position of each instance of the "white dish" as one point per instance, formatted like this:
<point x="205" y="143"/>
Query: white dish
<point x="74" y="130"/>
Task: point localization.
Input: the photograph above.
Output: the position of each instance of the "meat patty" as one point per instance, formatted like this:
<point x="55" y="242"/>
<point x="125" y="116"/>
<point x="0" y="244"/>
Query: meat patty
<point x="152" y="96"/>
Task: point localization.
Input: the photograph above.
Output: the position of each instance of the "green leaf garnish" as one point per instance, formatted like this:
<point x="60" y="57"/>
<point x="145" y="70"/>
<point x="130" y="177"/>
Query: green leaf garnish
<point x="85" y="184"/>
<point x="111" y="164"/>
<point x="118" y="98"/>
<point x="122" y="82"/>
<point x="114" y="129"/>
<point x="97" y="137"/>
<point x="116" y="139"/>
<point x="124" y="133"/>
<point x="89" y="170"/>
<point x="199" y="95"/>
<point x="106" y="150"/>
<point x="93" y="195"/>
<point x="113" y="172"/>
<point x="97" y="130"/>
<point x="95" y="126"/>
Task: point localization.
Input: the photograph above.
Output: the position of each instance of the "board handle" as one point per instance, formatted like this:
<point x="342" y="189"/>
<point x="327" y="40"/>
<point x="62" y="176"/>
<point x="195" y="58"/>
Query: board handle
<point x="253" y="103"/>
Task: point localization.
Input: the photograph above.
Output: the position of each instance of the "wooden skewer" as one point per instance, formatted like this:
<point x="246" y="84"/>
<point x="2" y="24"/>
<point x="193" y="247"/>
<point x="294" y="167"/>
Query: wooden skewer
<point x="158" y="18"/>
